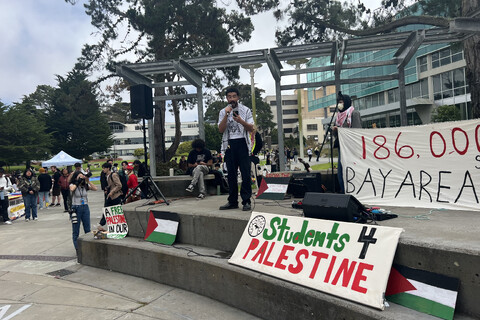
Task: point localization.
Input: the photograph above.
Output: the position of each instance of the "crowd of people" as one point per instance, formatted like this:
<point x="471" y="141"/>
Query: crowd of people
<point x="72" y="187"/>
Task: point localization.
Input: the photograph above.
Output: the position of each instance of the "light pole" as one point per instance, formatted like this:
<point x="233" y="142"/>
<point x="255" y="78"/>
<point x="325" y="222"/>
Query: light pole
<point x="252" y="68"/>
<point x="297" y="63"/>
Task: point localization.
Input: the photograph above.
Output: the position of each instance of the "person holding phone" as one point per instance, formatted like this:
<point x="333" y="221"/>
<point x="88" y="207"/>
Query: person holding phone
<point x="235" y="121"/>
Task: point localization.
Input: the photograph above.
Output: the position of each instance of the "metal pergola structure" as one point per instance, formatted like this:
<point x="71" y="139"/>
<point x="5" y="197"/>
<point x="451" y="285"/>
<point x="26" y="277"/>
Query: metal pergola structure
<point x="189" y="69"/>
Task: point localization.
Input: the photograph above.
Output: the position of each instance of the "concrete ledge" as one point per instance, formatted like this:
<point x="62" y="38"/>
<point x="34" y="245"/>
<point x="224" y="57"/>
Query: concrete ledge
<point x="175" y="186"/>
<point x="441" y="245"/>
<point x="260" y="295"/>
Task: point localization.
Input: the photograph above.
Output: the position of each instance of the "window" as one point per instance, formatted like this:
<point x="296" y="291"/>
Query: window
<point x="446" y="56"/>
<point x="290" y="111"/>
<point x="422" y="64"/>
<point x="289" y="102"/>
<point x="286" y="121"/>
<point x="449" y="84"/>
<point x="288" y="130"/>
<point x="312" y="127"/>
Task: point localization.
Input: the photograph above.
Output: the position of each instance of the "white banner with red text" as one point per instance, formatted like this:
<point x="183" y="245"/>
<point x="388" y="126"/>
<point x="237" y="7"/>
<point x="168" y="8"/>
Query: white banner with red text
<point x="348" y="260"/>
<point x="428" y="166"/>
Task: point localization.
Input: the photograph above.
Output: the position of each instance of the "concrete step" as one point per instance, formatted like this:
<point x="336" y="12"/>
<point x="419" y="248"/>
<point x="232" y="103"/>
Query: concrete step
<point x="437" y="245"/>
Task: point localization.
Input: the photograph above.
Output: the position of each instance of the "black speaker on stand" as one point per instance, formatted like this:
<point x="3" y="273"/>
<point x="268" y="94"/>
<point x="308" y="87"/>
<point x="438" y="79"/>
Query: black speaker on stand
<point x="332" y="206"/>
<point x="141" y="101"/>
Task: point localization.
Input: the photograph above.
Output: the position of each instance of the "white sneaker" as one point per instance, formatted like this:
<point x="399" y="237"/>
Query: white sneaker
<point x="8" y="222"/>
<point x="27" y="219"/>
<point x="201" y="196"/>
<point x="35" y="218"/>
<point x="190" y="188"/>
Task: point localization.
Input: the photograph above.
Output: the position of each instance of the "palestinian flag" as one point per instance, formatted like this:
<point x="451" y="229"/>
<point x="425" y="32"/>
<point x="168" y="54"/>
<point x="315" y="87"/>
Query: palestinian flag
<point x="423" y="291"/>
<point x="162" y="227"/>
<point x="273" y="188"/>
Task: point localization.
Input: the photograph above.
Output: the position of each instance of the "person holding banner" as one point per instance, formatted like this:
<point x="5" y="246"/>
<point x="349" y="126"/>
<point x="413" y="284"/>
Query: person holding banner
<point x="79" y="186"/>
<point x="347" y="117"/>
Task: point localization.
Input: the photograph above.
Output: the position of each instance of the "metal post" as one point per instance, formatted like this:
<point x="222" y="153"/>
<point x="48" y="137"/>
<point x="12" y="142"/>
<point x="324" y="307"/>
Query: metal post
<point x="252" y="91"/>
<point x="151" y="148"/>
<point x="281" y="145"/>
<point x="201" y="124"/>
<point x="403" y="96"/>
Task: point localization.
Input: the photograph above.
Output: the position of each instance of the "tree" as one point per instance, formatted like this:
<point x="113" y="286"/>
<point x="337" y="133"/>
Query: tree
<point x="166" y="30"/>
<point x="74" y="119"/>
<point x="119" y="111"/>
<point x="23" y="134"/>
<point x="184" y="147"/>
<point x="138" y="153"/>
<point x="213" y="137"/>
<point x="446" y="113"/>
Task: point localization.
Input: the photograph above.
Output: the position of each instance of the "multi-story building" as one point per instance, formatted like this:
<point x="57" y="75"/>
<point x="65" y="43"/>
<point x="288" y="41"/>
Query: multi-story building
<point x="435" y="76"/>
<point x="127" y="137"/>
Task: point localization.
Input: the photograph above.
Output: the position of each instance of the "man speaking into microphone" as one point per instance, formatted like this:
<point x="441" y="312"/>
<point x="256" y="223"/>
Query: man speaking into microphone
<point x="235" y="121"/>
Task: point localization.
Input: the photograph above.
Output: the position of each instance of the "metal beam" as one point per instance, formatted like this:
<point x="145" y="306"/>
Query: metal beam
<point x="465" y="25"/>
<point x="274" y="64"/>
<point x="132" y="76"/>
<point x="342" y="81"/>
<point x="168" y="84"/>
<point x="175" y="97"/>
<point x="188" y="72"/>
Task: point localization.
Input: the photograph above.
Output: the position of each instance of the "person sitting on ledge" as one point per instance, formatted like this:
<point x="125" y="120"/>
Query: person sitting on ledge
<point x="198" y="161"/>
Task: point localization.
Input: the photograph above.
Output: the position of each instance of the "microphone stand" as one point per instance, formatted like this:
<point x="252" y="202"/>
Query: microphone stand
<point x="329" y="130"/>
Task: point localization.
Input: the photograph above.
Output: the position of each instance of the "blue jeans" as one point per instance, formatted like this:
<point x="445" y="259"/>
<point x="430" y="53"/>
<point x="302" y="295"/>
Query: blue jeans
<point x="30" y="201"/>
<point x="83" y="216"/>
<point x="41" y="196"/>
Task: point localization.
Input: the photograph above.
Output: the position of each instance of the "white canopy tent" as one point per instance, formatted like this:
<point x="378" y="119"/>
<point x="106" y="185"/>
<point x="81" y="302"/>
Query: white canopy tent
<point x="61" y="159"/>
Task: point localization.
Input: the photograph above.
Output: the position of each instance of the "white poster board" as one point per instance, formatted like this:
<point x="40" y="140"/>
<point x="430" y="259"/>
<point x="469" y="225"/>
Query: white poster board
<point x="429" y="166"/>
<point x="348" y="260"/>
<point x="117" y="227"/>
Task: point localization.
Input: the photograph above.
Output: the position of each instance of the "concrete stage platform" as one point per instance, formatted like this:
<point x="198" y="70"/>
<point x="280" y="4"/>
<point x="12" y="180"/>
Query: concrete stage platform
<point x="441" y="241"/>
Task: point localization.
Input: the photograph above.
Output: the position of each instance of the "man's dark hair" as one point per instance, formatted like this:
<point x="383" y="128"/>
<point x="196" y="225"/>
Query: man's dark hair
<point x="107" y="165"/>
<point x="198" y="143"/>
<point x="137" y="162"/>
<point x="77" y="165"/>
<point x="124" y="162"/>
<point x="232" y="89"/>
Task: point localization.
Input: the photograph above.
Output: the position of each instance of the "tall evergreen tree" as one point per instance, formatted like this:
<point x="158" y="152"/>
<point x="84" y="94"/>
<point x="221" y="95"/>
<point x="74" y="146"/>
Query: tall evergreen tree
<point x="167" y="30"/>
<point x="74" y="117"/>
<point x="23" y="134"/>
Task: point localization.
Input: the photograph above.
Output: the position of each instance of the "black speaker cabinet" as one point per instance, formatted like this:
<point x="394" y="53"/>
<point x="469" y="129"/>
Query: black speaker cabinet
<point x="141" y="101"/>
<point x="305" y="182"/>
<point x="332" y="206"/>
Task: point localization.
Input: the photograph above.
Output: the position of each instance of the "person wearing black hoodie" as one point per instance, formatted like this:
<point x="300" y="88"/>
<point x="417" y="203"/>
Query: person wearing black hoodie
<point x="347" y="117"/>
<point x="45" y="185"/>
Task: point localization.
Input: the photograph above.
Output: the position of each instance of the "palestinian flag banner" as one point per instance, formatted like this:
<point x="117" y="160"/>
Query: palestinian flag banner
<point x="162" y="227"/>
<point x="273" y="188"/>
<point x="424" y="291"/>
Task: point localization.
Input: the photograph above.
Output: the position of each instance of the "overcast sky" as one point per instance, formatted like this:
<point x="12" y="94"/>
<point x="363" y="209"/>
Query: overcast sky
<point x="43" y="38"/>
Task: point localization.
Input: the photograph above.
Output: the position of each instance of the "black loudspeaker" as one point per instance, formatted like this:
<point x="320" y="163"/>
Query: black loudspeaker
<point x="332" y="206"/>
<point x="305" y="182"/>
<point x="141" y="101"/>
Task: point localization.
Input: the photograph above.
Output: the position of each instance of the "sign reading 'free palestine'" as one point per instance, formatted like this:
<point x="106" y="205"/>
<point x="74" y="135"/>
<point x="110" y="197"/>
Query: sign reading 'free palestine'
<point x="348" y="260"/>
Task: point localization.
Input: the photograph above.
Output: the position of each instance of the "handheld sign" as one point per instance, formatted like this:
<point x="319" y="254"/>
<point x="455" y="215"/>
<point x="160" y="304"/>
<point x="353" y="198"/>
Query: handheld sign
<point x="348" y="260"/>
<point x="116" y="223"/>
<point x="428" y="166"/>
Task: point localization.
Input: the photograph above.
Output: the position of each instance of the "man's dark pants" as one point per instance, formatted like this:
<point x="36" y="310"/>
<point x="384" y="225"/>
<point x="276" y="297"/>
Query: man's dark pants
<point x="237" y="156"/>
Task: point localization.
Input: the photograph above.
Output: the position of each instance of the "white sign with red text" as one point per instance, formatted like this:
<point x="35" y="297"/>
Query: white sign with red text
<point x="348" y="260"/>
<point x="428" y="166"/>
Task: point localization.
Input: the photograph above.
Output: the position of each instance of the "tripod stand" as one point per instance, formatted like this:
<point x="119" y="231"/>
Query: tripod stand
<point x="148" y="186"/>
